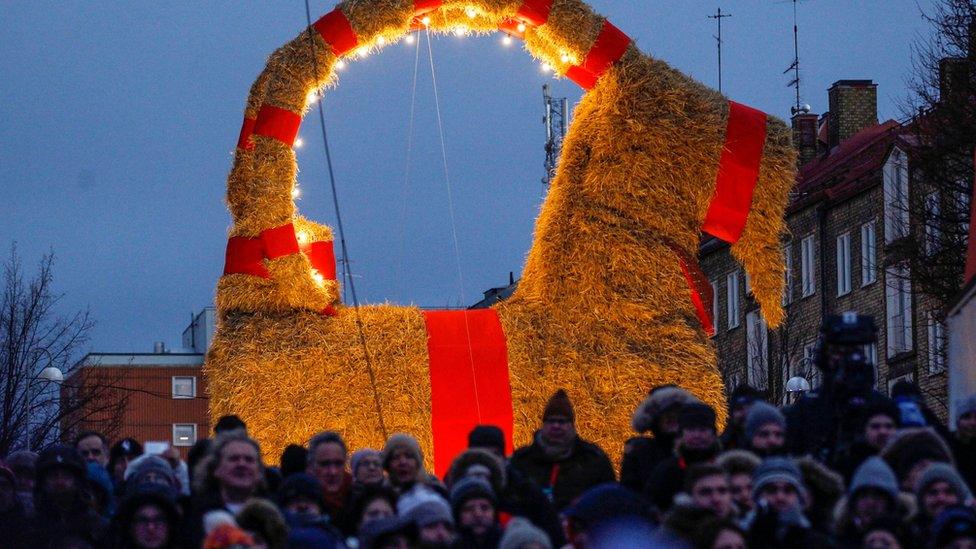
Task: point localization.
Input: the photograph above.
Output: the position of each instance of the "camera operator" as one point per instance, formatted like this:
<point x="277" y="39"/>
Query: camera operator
<point x="826" y="423"/>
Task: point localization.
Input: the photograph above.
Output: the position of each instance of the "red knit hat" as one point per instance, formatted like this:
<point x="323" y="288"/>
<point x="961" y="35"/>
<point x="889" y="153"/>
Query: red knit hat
<point x="559" y="405"/>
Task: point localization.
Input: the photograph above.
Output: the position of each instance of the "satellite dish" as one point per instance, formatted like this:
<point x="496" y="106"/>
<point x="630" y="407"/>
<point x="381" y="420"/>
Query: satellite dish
<point x="797" y="385"/>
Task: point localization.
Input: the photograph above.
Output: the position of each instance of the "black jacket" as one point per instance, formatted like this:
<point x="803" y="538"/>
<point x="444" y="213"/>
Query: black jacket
<point x="641" y="456"/>
<point x="820" y="427"/>
<point x="965" y="455"/>
<point x="586" y="466"/>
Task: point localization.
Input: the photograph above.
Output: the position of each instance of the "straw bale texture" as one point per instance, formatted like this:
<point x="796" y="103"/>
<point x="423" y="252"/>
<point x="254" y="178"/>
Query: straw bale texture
<point x="602" y="309"/>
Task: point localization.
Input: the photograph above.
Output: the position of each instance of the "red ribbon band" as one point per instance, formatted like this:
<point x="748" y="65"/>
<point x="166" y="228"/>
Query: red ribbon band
<point x="322" y="257"/>
<point x="469" y="383"/>
<point x="535" y="12"/>
<point x="247" y="129"/>
<point x="738" y="172"/>
<point x="278" y="123"/>
<point x="337" y="32"/>
<point x="421" y="7"/>
<point x="247" y="255"/>
<point x="610" y="46"/>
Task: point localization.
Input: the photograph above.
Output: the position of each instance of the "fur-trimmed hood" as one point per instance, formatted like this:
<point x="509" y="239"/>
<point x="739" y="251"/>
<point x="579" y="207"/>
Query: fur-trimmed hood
<point x="908" y="445"/>
<point x="478" y="456"/>
<point x="826" y="488"/>
<point x="905" y="510"/>
<point x="655" y="403"/>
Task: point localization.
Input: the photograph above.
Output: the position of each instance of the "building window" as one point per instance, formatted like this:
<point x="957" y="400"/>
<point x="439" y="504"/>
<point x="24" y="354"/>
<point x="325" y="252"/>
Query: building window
<point x="898" y="293"/>
<point x="808" y="279"/>
<point x="871" y="357"/>
<point x="844" y="264"/>
<point x="869" y="264"/>
<point x="757" y="349"/>
<point x="787" y="275"/>
<point x="184" y="387"/>
<point x="184" y="434"/>
<point x="896" y="196"/>
<point x="932" y="233"/>
<point x="937" y="344"/>
<point x="732" y="297"/>
<point x="714" y="284"/>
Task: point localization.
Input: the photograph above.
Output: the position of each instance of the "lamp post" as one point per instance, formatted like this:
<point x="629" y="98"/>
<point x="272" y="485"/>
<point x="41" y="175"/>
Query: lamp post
<point x="50" y="374"/>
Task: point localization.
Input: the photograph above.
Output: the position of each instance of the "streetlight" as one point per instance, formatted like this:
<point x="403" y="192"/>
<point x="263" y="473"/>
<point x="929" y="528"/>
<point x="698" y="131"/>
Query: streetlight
<point x="51" y="374"/>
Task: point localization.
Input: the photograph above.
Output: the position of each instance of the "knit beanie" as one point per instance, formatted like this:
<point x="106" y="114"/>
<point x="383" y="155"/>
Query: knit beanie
<point x="760" y="414"/>
<point x="953" y="523"/>
<point x="696" y="414"/>
<point x="144" y="465"/>
<point x="874" y="473"/>
<point x="777" y="469"/>
<point x="405" y="441"/>
<point x="300" y="485"/>
<point x="294" y="459"/>
<point x="470" y="488"/>
<point x="358" y="456"/>
<point x="432" y="511"/>
<point x="487" y="436"/>
<point x="743" y="395"/>
<point x="966" y="406"/>
<point x="943" y="472"/>
<point x="520" y="532"/>
<point x="559" y="405"/>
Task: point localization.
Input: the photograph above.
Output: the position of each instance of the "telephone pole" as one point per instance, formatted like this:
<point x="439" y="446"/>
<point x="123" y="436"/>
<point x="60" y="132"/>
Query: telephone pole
<point x="718" y="38"/>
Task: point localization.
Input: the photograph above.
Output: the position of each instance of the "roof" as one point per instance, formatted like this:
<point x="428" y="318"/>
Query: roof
<point x="145" y="360"/>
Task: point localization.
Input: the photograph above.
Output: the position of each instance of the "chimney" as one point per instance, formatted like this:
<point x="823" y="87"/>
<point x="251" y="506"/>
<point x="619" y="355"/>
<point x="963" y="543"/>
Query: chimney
<point x="853" y="107"/>
<point x="159" y="348"/>
<point x="804" y="134"/>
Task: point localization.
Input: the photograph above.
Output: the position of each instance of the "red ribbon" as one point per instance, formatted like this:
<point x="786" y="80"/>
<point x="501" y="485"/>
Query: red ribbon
<point x="701" y="295"/>
<point x="535" y="12"/>
<point x="322" y="257"/>
<point x="277" y="123"/>
<point x="610" y="46"/>
<point x="421" y="7"/>
<point x="247" y="129"/>
<point x="738" y="172"/>
<point x="337" y="32"/>
<point x="247" y="255"/>
<point x="469" y="382"/>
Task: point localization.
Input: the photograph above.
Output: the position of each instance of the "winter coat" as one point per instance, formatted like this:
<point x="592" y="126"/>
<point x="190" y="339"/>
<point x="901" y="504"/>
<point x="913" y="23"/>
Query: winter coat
<point x="668" y="478"/>
<point x="586" y="466"/>
<point x="641" y="453"/>
<point x="467" y="540"/>
<point x="12" y="530"/>
<point x="768" y="529"/>
<point x="825" y="488"/>
<point x="164" y="499"/>
<point x="965" y="454"/>
<point x="50" y="527"/>
<point x="819" y="427"/>
<point x="849" y="535"/>
<point x="907" y="445"/>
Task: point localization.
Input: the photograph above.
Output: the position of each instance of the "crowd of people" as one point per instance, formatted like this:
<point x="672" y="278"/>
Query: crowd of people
<point x="844" y="467"/>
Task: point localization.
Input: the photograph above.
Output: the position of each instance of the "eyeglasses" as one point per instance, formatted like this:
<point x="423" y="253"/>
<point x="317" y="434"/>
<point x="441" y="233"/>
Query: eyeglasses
<point x="371" y="463"/>
<point x="146" y="521"/>
<point x="331" y="463"/>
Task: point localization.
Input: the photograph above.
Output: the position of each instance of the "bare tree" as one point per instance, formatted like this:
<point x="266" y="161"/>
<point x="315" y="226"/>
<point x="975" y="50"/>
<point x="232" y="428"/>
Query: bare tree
<point x="34" y="336"/>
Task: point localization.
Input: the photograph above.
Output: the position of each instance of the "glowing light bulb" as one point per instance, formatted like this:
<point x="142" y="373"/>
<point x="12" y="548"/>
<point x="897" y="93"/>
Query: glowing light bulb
<point x="545" y="67"/>
<point x="318" y="278"/>
<point x="302" y="237"/>
<point x="296" y="193"/>
<point x="472" y="13"/>
<point x="460" y="31"/>
<point x="521" y="27"/>
<point x="425" y="21"/>
<point x="299" y="142"/>
<point x="507" y="40"/>
<point x="409" y="39"/>
<point x="564" y="57"/>
<point x="311" y="98"/>
<point x="380" y="41"/>
<point x="340" y="64"/>
<point x="362" y="51"/>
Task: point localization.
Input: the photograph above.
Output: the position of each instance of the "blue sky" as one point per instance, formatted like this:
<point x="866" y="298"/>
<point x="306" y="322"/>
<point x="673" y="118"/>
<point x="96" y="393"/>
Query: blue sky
<point x="120" y="120"/>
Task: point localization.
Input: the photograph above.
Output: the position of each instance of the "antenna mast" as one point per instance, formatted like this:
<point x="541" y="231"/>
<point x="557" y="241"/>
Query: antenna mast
<point x="795" y="67"/>
<point x="556" y="119"/>
<point x="718" y="39"/>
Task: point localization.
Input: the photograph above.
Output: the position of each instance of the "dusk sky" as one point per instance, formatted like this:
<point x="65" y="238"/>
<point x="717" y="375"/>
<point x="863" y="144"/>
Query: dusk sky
<point x="120" y="120"/>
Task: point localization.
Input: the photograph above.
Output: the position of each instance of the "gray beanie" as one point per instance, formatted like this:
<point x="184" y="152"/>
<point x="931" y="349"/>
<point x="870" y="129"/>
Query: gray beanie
<point x="760" y="414"/>
<point x="777" y="469"/>
<point x="520" y="532"/>
<point x="358" y="456"/>
<point x="432" y="511"/>
<point x="145" y="464"/>
<point x="966" y="406"/>
<point x="874" y="473"/>
<point x="943" y="472"/>
<point x="470" y="488"/>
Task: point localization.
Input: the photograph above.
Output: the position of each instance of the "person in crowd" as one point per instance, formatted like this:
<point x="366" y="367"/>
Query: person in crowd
<point x="120" y="455"/>
<point x="911" y="450"/>
<point x="657" y="414"/>
<point x="610" y="515"/>
<point x="907" y="396"/>
<point x="200" y="450"/>
<point x="327" y="462"/>
<point x="99" y="489"/>
<point x="23" y="464"/>
<point x="740" y="402"/>
<point x="387" y="533"/>
<point x="366" y="466"/>
<point x="12" y="514"/>
<point x="473" y="503"/>
<point x="151" y="469"/>
<point x="435" y="524"/>
<point x="301" y="494"/>
<point x="229" y="476"/>
<point x="558" y="460"/>
<point x="403" y="462"/>
<point x="963" y="441"/>
<point x="780" y="497"/>
<point x="228" y="535"/>
<point x="373" y="503"/>
<point x="294" y="459"/>
<point x="716" y="533"/>
<point x="697" y="443"/>
<point x="880" y="424"/>
<point x="264" y="522"/>
<point x="522" y="534"/>
<point x="739" y="465"/>
<point x="62" y="508"/>
<point x="764" y="430"/>
<point x="872" y="496"/>
<point x="228" y="423"/>
<point x="517" y="494"/>
<point x="955" y="528"/>
<point x="147" y="518"/>
<point x="93" y="446"/>
<point x="825" y="488"/>
<point x="939" y="488"/>
<point x="706" y="495"/>
<point x="885" y="533"/>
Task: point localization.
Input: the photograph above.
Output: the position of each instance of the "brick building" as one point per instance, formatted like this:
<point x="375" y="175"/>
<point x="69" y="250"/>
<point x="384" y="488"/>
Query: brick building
<point x="161" y="395"/>
<point x="847" y="219"/>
